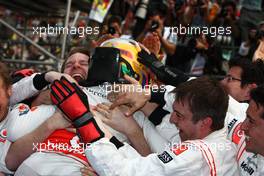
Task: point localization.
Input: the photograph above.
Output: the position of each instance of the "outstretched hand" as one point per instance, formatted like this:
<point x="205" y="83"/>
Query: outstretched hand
<point x="116" y="118"/>
<point x="132" y="95"/>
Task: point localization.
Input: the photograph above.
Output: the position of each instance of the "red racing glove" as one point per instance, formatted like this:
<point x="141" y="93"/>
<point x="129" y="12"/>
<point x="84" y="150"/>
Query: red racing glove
<point x="73" y="102"/>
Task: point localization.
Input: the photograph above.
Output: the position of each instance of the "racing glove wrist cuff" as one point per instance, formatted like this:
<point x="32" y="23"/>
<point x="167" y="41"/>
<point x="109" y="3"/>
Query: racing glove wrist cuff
<point x="157" y="115"/>
<point x="157" y="97"/>
<point x="116" y="142"/>
<point x="39" y="81"/>
<point x="90" y="131"/>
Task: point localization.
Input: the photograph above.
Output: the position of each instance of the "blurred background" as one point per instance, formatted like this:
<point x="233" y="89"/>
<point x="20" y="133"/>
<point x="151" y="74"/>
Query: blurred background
<point x="147" y="21"/>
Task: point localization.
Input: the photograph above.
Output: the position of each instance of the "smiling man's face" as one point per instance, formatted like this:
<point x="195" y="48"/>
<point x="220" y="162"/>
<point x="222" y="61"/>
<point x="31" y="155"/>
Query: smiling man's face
<point x="77" y="66"/>
<point x="182" y="118"/>
<point x="253" y="126"/>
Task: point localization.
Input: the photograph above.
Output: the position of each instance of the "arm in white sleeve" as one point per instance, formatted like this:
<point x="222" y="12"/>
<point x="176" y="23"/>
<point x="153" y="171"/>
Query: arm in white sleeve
<point x="163" y="97"/>
<point x="154" y="139"/>
<point x="169" y="98"/>
<point x="27" y="87"/>
<point x="23" y="120"/>
<point x="106" y="159"/>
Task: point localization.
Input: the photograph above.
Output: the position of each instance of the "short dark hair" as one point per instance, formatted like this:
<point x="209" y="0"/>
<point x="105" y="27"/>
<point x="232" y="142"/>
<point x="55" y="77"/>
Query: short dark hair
<point x="245" y="65"/>
<point x="74" y="50"/>
<point x="206" y="98"/>
<point x="257" y="95"/>
<point x="252" y="72"/>
<point x="5" y="75"/>
<point x="114" y="19"/>
<point x="256" y="72"/>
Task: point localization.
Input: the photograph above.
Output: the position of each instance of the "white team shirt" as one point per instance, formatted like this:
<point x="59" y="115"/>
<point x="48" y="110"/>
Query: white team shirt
<point x="203" y="159"/>
<point x="4" y="146"/>
<point x="158" y="138"/>
<point x="249" y="164"/>
<point x="23" y="89"/>
<point x="20" y="90"/>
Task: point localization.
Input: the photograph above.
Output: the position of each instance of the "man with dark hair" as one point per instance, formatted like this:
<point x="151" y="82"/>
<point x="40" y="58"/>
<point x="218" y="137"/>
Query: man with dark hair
<point x="76" y="63"/>
<point x="248" y="136"/>
<point x="7" y="113"/>
<point x="200" y="132"/>
<point x="76" y="66"/>
<point x="237" y="81"/>
<point x="28" y="130"/>
<point x="253" y="125"/>
<point x="201" y="105"/>
<point x="242" y="77"/>
<point x="71" y="160"/>
<point x="114" y="26"/>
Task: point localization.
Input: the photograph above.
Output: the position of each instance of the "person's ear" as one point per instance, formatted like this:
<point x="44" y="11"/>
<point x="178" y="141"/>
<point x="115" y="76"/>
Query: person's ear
<point x="207" y="122"/>
<point x="249" y="88"/>
<point x="253" y="86"/>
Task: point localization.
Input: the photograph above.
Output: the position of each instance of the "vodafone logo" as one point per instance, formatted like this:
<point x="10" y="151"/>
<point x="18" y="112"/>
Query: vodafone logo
<point x="3" y="135"/>
<point x="180" y="149"/>
<point x="237" y="134"/>
<point x="23" y="109"/>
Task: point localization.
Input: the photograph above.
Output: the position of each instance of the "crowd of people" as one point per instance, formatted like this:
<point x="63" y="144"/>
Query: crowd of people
<point x="156" y="22"/>
<point x="143" y="100"/>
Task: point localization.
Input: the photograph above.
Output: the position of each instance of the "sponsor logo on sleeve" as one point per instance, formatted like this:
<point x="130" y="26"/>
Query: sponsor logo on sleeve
<point x="165" y="157"/>
<point x="3" y="134"/>
<point x="237" y="134"/>
<point x="249" y="165"/>
<point x="231" y="125"/>
<point x="23" y="109"/>
<point x="179" y="149"/>
<point x="244" y="166"/>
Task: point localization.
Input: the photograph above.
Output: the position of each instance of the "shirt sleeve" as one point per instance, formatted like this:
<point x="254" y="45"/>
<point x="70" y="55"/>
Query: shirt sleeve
<point x="23" y="89"/>
<point x="153" y="137"/>
<point x="23" y="120"/>
<point x="168" y="130"/>
<point x="169" y="98"/>
<point x="106" y="159"/>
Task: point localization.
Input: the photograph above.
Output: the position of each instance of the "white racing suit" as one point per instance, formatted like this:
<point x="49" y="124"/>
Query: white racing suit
<point x="20" y="91"/>
<point x="169" y="132"/>
<point x="23" y="89"/>
<point x="214" y="155"/>
<point x="249" y="164"/>
<point x="4" y="146"/>
<point x="61" y="153"/>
